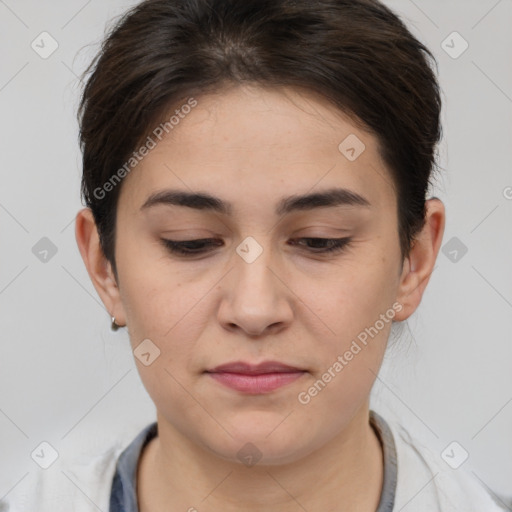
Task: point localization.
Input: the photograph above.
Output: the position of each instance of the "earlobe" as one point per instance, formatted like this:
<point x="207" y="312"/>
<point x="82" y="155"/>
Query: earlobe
<point x="97" y="265"/>
<point x="419" y="264"/>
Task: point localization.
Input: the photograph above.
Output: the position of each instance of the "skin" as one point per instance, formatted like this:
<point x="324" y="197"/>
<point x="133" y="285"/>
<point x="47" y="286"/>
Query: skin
<point x="252" y="146"/>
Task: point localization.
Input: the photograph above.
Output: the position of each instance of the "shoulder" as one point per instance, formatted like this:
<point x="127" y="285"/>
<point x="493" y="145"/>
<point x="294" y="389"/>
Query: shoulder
<point x="80" y="483"/>
<point x="425" y="482"/>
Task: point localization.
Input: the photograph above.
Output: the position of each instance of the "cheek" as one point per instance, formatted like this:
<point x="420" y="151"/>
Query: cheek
<point x="168" y="307"/>
<point x="164" y="308"/>
<point x="356" y="306"/>
<point x="151" y="288"/>
<point x="359" y="313"/>
<point x="352" y="296"/>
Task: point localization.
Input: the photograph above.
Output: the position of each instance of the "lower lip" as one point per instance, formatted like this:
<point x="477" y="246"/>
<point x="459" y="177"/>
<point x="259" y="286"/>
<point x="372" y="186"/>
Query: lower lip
<point x="256" y="384"/>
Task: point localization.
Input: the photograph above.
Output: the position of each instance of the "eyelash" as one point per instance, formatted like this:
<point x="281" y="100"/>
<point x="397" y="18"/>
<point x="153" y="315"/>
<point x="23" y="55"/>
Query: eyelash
<point x="180" y="247"/>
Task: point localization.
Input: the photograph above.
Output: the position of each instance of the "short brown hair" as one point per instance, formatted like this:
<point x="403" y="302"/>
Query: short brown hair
<point x="356" y="53"/>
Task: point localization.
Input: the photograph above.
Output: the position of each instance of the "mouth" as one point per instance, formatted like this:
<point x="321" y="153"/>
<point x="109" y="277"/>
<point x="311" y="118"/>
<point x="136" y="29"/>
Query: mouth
<point x="255" y="379"/>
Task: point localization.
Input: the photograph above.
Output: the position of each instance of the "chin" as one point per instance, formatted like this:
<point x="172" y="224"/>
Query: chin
<point x="266" y="443"/>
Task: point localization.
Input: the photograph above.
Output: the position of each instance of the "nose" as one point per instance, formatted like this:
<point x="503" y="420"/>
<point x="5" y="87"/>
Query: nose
<point x="256" y="297"/>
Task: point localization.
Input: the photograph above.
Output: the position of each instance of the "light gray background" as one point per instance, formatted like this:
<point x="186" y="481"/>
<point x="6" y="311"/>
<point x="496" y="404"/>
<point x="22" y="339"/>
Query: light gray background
<point x="66" y="379"/>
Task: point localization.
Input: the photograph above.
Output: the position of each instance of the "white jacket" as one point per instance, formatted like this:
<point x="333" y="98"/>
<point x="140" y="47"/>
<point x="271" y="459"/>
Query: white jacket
<point x="425" y="483"/>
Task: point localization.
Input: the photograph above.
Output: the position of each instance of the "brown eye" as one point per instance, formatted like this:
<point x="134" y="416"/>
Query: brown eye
<point x="325" y="245"/>
<point x="185" y="247"/>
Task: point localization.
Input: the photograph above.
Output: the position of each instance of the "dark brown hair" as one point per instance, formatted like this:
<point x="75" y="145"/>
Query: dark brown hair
<point x="355" y="53"/>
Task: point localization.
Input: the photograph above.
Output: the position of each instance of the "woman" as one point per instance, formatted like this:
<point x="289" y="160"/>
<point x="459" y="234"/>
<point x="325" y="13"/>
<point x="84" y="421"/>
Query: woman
<point x="256" y="176"/>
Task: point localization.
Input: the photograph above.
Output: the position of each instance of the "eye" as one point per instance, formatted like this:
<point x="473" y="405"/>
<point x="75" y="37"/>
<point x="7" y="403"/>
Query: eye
<point x="325" y="245"/>
<point x="191" y="246"/>
<point x="204" y="245"/>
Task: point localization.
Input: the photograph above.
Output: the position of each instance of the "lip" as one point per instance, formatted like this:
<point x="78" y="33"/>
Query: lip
<point x="259" y="378"/>
<point x="255" y="369"/>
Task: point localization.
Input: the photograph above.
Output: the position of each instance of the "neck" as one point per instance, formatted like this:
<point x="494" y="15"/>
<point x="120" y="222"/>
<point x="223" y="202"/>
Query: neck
<point x="344" y="474"/>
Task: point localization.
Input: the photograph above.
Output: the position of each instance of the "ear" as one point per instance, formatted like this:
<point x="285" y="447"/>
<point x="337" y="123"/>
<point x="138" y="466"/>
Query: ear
<point x="98" y="267"/>
<point x="418" y="266"/>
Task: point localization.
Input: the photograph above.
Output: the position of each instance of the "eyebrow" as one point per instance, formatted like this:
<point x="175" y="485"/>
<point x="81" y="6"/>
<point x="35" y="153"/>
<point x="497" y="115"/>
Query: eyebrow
<point x="204" y="201"/>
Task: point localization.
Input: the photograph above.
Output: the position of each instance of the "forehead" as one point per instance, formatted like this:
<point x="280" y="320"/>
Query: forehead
<point x="256" y="142"/>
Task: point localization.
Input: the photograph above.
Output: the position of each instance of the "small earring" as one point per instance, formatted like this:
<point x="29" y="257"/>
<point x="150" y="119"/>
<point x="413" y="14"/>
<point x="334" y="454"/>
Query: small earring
<point x="113" y="324"/>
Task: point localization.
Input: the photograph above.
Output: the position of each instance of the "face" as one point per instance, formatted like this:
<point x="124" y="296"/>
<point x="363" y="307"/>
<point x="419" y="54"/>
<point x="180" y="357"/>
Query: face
<point x="261" y="285"/>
